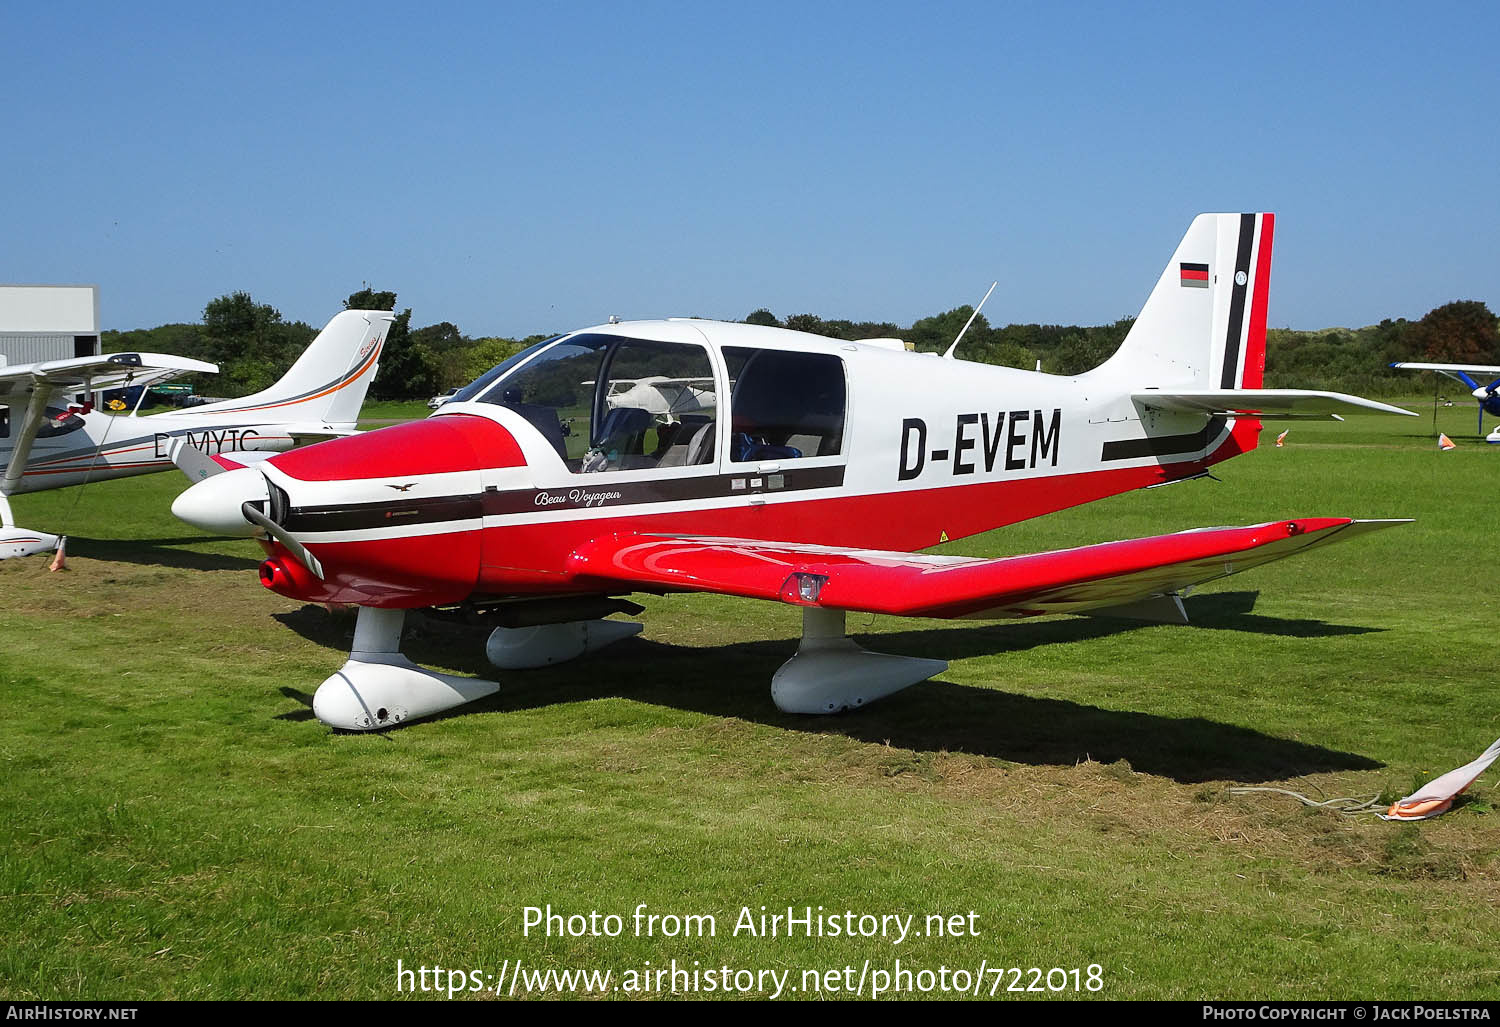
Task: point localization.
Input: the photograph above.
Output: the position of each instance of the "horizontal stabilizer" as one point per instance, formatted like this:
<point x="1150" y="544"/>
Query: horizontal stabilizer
<point x="306" y="436"/>
<point x="1111" y="574"/>
<point x="1280" y="404"/>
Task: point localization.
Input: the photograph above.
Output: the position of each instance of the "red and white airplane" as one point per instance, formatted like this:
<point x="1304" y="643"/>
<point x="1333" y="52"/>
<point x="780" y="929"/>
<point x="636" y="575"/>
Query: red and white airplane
<point x="831" y="462"/>
<point x="47" y="442"/>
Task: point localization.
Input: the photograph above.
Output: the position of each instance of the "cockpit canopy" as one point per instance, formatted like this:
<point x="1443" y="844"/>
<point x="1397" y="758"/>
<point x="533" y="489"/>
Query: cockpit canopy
<point x="612" y="403"/>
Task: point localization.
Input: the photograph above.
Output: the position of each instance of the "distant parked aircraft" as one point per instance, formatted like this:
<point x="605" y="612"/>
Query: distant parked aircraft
<point x="46" y="442"/>
<point x="1486" y="395"/>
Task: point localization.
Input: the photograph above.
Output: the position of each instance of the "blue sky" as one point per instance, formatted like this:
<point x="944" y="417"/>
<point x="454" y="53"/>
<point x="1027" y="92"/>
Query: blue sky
<point x="517" y="168"/>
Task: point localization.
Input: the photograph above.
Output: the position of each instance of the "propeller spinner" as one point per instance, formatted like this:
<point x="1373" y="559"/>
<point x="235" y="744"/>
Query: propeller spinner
<point x="235" y="503"/>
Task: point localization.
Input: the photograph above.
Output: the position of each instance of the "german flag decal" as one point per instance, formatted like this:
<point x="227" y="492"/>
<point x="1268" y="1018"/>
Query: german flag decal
<point x="1194" y="276"/>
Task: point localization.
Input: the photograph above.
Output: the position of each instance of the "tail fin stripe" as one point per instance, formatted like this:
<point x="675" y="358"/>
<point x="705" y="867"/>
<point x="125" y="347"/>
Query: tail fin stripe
<point x="1237" y="302"/>
<point x="1255" y="339"/>
<point x="324" y="390"/>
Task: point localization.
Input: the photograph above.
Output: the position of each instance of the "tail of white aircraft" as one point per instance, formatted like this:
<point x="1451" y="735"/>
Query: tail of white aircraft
<point x="1199" y="346"/>
<point x="1204" y="326"/>
<point x="329" y="380"/>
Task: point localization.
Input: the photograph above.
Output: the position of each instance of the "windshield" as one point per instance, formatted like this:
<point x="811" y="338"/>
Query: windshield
<point x="484" y="381"/>
<point x="610" y="403"/>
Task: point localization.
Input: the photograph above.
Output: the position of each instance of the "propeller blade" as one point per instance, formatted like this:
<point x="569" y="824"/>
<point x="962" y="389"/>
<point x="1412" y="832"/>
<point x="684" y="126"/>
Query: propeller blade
<point x="1491" y="386"/>
<point x="276" y="531"/>
<point x="192" y="461"/>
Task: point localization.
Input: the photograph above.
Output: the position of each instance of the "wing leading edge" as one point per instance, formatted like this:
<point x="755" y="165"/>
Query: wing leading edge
<point x="1081" y="580"/>
<point x="102" y="372"/>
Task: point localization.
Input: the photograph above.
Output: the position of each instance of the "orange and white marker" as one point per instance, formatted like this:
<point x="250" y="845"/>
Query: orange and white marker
<point x="1437" y="795"/>
<point x="1444" y="442"/>
<point x="1280" y="439"/>
<point x="60" y="561"/>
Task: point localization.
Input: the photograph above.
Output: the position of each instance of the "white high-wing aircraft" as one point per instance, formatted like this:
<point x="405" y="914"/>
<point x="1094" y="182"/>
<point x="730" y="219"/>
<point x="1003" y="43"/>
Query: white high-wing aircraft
<point x="660" y="395"/>
<point x="47" y="442"/>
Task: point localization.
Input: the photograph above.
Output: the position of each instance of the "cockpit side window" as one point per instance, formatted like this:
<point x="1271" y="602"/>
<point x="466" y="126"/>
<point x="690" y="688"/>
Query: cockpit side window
<point x="785" y="405"/>
<point x="608" y="403"/>
<point x="655" y="407"/>
<point x="57" y="421"/>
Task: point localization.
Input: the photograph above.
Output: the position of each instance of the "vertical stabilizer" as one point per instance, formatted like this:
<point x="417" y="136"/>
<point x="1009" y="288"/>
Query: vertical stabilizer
<point x="329" y="380"/>
<point x="1204" y="325"/>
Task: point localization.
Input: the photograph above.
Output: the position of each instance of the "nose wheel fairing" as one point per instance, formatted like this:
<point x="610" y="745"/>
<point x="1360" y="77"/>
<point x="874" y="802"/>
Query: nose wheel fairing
<point x="378" y="687"/>
<point x="366" y="695"/>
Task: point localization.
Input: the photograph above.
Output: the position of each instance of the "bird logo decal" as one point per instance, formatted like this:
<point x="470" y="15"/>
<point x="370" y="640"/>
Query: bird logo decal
<point x="402" y="488"/>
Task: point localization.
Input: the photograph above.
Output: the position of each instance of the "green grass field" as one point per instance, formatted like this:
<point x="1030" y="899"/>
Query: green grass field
<point x="177" y="825"/>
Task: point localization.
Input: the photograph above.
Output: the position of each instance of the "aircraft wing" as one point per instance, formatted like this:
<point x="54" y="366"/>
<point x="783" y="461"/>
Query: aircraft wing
<point x="28" y="387"/>
<point x="654" y="380"/>
<point x="1407" y="365"/>
<point x="101" y="372"/>
<point x="1278" y="404"/>
<point x="1086" y="579"/>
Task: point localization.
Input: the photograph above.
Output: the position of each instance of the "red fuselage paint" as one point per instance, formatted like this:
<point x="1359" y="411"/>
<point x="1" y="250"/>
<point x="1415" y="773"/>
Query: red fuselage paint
<point x="534" y="558"/>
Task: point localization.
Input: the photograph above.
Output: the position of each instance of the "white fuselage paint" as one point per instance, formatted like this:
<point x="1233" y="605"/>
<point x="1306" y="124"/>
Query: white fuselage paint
<point x="118" y="446"/>
<point x="978" y="423"/>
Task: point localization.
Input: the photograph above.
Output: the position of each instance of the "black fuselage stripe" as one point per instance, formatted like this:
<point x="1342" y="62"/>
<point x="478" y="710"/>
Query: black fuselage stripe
<point x="593" y="493"/>
<point x="1164" y="445"/>
<point x="1237" y="301"/>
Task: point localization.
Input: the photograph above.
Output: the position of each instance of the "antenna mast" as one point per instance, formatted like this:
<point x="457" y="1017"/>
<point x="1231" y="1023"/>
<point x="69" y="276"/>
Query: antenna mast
<point x="949" y="355"/>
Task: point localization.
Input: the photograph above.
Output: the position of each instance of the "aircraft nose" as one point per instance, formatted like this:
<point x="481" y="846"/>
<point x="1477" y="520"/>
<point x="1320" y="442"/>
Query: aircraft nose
<point x="213" y="504"/>
<point x="1481" y="393"/>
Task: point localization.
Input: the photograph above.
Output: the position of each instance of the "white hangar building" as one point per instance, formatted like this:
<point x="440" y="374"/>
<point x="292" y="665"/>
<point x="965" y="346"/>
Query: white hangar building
<point x="48" y="322"/>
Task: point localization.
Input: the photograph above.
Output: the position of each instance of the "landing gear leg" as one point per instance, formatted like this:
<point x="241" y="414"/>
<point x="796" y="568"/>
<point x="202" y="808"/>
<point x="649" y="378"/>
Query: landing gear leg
<point x="831" y="673"/>
<point x="380" y="688"/>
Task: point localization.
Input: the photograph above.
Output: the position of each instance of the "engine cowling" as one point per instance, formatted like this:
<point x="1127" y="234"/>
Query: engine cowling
<point x="393" y="516"/>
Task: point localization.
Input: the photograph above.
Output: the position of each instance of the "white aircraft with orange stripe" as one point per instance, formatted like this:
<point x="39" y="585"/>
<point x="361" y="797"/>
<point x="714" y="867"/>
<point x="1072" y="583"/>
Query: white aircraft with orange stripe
<point x="811" y="470"/>
<point x="48" y="442"/>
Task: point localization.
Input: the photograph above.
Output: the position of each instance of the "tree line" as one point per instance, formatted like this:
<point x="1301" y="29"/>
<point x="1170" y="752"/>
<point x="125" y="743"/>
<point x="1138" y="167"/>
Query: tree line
<point x="254" y="345"/>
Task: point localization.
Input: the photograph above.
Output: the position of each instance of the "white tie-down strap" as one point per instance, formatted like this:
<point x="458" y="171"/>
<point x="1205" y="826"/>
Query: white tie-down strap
<point x="1437" y="795"/>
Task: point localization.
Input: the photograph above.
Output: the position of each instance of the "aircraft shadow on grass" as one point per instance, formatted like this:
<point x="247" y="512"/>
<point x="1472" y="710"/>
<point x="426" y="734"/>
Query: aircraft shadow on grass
<point x="161" y="552"/>
<point x="733" y="681"/>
